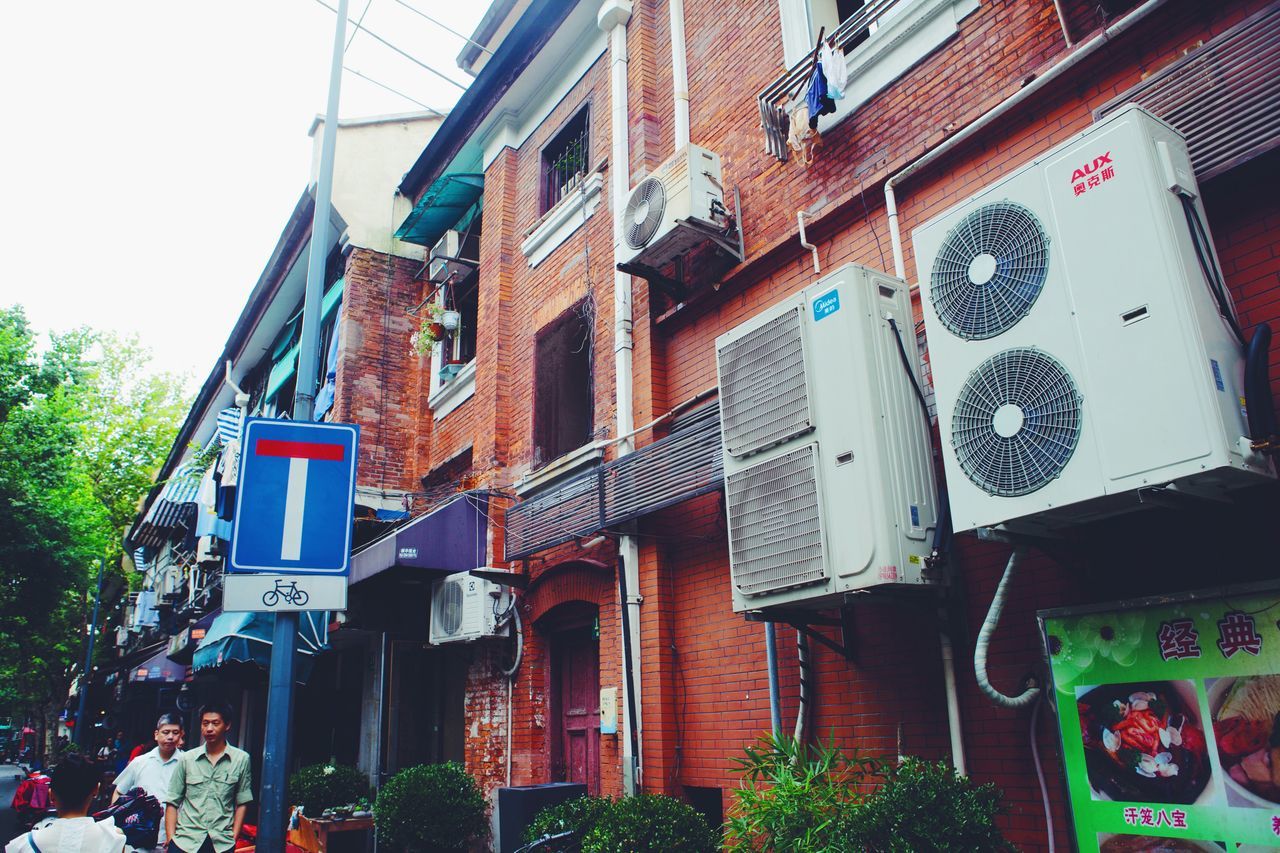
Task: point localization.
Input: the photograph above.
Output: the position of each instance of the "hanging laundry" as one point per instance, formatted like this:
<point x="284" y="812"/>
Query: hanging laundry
<point x="802" y="138"/>
<point x="836" y="69"/>
<point x="818" y="100"/>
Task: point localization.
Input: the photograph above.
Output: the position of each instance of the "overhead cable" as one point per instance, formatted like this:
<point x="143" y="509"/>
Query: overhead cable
<point x="444" y="27"/>
<point x="431" y="110"/>
<point x="407" y="56"/>
<point x="356" y="31"/>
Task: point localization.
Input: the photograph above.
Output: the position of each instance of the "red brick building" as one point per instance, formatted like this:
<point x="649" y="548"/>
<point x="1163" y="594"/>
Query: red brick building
<point x="563" y="356"/>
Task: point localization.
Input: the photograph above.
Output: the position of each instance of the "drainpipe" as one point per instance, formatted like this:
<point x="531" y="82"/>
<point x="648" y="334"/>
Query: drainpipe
<point x="679" y="72"/>
<point x="1080" y="54"/>
<point x="612" y="18"/>
<point x="900" y="270"/>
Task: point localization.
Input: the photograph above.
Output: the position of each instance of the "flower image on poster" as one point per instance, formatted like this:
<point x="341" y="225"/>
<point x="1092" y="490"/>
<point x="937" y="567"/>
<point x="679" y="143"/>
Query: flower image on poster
<point x="1114" y="843"/>
<point x="1144" y="742"/>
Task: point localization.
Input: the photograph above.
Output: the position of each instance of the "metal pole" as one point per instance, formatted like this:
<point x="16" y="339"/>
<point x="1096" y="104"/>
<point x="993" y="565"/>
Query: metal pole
<point x="275" y="753"/>
<point x="88" y="661"/>
<point x="771" y="655"/>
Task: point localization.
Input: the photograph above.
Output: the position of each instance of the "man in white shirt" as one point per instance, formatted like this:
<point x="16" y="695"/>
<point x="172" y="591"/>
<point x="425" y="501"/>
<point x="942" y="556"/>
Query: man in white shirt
<point x="74" y="783"/>
<point x="152" y="771"/>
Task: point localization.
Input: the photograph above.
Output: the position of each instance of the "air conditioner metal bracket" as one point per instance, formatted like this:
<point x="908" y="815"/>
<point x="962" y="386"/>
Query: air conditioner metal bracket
<point x="804" y="621"/>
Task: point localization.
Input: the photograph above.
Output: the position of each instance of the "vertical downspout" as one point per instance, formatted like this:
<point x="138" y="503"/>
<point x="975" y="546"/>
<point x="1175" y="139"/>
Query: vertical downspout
<point x="679" y="73"/>
<point x="612" y="19"/>
<point x="771" y="656"/>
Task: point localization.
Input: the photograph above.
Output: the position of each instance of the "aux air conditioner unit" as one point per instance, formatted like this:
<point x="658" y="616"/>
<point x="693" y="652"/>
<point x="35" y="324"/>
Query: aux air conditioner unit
<point x="1078" y="352"/>
<point x="446" y="258"/>
<point x="464" y="607"/>
<point x="828" y="482"/>
<point x="655" y="221"/>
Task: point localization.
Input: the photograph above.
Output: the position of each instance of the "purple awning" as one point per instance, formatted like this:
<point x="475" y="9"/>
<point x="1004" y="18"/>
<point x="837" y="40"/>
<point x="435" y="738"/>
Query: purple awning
<point x="450" y="538"/>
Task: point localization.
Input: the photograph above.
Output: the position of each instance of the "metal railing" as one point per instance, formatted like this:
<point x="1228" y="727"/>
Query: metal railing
<point x="683" y="465"/>
<point x="776" y="98"/>
<point x="567" y="169"/>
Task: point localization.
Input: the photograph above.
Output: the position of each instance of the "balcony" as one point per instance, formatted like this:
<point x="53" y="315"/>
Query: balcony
<point x="673" y="469"/>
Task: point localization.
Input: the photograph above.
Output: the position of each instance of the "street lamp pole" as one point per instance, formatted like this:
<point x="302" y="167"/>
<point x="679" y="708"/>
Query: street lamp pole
<point x="88" y="662"/>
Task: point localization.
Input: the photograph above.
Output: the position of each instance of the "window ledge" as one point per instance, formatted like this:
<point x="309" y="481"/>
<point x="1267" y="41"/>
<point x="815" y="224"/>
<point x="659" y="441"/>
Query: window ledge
<point x="559" y="223"/>
<point x="575" y="460"/>
<point x="455" y="392"/>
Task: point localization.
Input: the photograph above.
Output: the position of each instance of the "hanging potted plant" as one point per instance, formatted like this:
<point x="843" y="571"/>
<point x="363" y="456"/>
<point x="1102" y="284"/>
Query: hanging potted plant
<point x="450" y="320"/>
<point x="431" y="329"/>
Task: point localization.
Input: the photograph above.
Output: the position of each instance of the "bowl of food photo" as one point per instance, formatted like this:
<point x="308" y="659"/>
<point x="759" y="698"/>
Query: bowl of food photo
<point x="1113" y="843"/>
<point x="1144" y="742"/>
<point x="1245" y="713"/>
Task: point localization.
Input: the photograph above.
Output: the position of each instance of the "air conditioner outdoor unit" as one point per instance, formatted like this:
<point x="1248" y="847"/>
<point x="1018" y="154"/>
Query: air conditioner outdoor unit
<point x="445" y="260"/>
<point x="655" y="221"/>
<point x="829" y="486"/>
<point x="1078" y="352"/>
<point x="464" y="607"/>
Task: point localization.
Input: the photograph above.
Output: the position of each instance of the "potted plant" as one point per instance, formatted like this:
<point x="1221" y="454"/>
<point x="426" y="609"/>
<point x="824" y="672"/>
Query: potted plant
<point x="324" y="792"/>
<point x="431" y="328"/>
<point x="450" y="320"/>
<point x="431" y="808"/>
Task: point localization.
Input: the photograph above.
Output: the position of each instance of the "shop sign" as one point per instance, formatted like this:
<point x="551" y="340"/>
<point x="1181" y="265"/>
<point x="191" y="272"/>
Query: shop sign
<point x="1169" y="715"/>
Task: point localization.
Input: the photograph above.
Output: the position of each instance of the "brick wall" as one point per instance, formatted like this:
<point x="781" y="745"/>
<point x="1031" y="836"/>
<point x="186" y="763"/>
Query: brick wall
<point x="704" y="681"/>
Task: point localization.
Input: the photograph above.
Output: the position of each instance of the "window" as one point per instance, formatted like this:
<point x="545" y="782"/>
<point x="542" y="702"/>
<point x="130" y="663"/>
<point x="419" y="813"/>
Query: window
<point x="562" y="394"/>
<point x="462" y="295"/>
<point x="566" y="160"/>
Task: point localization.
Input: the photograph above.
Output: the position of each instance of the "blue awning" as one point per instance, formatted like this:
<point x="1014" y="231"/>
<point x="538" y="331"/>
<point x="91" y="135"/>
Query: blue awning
<point x="246" y="638"/>
<point x="449" y="539"/>
<point x="282" y="371"/>
<point x="441" y="207"/>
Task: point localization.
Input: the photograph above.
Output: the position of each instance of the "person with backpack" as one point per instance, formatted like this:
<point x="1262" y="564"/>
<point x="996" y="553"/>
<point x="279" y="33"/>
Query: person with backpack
<point x="73" y="785"/>
<point x="31" y="799"/>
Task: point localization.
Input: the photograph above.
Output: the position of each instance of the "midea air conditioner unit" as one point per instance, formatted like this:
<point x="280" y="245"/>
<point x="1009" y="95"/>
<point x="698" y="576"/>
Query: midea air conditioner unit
<point x="654" y="222"/>
<point x="446" y="260"/>
<point x="1077" y="348"/>
<point x="829" y="486"/>
<point x="464" y="607"/>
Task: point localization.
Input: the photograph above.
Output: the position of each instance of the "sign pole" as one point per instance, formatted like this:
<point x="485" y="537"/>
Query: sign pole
<point x="275" y="754"/>
<point x="87" y="675"/>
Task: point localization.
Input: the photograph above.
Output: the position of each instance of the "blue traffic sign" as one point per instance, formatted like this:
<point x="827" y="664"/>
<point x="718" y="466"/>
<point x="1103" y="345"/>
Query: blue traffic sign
<point x="295" y="497"/>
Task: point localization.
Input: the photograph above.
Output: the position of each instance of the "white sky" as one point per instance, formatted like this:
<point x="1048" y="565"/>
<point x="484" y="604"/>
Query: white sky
<point x="154" y="149"/>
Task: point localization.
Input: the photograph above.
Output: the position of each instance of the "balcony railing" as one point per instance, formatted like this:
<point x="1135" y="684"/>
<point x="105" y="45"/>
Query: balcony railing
<point x="776" y="99"/>
<point x="681" y="466"/>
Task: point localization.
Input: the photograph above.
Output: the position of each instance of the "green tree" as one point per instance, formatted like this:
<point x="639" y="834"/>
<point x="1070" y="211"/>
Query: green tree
<point x="80" y="441"/>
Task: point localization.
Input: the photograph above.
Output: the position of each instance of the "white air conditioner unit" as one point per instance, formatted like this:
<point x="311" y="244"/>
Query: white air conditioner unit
<point x="446" y="260"/>
<point x="686" y="188"/>
<point x="1078" y="352"/>
<point x="829" y="486"/>
<point x="464" y="607"/>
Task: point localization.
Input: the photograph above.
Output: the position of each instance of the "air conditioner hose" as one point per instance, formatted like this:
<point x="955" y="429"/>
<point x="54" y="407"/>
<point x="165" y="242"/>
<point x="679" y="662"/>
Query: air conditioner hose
<point x="1259" y="402"/>
<point x="513" y="614"/>
<point x="1027" y="696"/>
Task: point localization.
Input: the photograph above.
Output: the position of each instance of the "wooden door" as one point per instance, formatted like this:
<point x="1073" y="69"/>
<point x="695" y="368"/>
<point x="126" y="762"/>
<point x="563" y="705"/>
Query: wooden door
<point x="575" y="668"/>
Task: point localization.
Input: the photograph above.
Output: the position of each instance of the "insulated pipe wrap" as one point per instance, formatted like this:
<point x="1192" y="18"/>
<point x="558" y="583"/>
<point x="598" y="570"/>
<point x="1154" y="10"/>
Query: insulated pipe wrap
<point x="1027" y="696"/>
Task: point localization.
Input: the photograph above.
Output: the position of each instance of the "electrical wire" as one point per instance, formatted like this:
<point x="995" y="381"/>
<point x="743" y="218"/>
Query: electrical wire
<point x="1044" y="788"/>
<point x="444" y="27"/>
<point x="386" y="43"/>
<point x="1204" y="254"/>
<point x="356" y="31"/>
<point x="911" y="374"/>
<point x="382" y="85"/>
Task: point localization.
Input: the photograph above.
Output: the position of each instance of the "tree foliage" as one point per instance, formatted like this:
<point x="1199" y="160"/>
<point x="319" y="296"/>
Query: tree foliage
<point x="82" y="432"/>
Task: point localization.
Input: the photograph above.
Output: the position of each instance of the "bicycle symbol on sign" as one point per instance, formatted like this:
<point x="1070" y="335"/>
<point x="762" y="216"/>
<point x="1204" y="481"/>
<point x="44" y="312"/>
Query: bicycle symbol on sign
<point x="288" y="591"/>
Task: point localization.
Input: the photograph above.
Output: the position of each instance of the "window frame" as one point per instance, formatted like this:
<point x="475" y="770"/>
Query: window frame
<point x="576" y="128"/>
<point x="549" y="431"/>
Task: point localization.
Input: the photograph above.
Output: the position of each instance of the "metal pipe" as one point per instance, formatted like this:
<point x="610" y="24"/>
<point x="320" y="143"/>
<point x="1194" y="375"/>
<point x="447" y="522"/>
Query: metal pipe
<point x="800" y="215"/>
<point x="1062" y="20"/>
<point x="1081" y="53"/>
<point x="954" y="725"/>
<point x="771" y="655"/>
<point x="275" y="753"/>
<point x="88" y="662"/>
<point x="679" y="73"/>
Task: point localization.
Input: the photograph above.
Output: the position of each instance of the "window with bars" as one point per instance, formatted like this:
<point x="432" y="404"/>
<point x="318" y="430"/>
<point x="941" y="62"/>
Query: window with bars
<point x="566" y="159"/>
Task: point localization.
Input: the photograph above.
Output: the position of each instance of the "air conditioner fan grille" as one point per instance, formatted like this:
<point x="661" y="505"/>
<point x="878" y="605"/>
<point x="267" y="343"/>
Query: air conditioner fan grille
<point x="1016" y="422"/>
<point x="764" y="395"/>
<point x="644" y="212"/>
<point x="989" y="271"/>
<point x="449" y="608"/>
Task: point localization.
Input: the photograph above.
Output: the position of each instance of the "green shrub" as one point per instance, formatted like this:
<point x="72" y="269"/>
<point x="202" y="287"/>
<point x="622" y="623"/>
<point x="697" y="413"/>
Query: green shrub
<point x="431" y="808"/>
<point x="323" y="786"/>
<point x="580" y="814"/>
<point x="924" y="807"/>
<point x="649" y="823"/>
<point x="792" y="797"/>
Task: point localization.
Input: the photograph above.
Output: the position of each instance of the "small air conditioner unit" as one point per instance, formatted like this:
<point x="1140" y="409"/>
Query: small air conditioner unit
<point x="446" y="259"/>
<point x="829" y="484"/>
<point x="465" y="607"/>
<point x="655" y="221"/>
<point x="1078" y="352"/>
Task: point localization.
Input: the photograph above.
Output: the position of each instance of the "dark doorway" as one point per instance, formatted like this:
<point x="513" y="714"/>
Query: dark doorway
<point x="575" y="693"/>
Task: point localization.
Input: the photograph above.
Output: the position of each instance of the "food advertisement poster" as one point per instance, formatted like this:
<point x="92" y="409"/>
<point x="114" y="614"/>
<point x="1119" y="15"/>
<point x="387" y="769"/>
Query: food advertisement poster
<point x="1169" y="713"/>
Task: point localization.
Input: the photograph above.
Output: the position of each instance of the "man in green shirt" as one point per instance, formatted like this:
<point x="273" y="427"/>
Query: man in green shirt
<point x="210" y="790"/>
